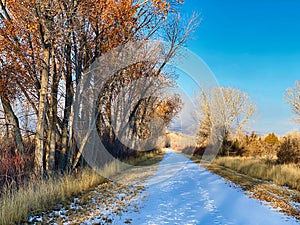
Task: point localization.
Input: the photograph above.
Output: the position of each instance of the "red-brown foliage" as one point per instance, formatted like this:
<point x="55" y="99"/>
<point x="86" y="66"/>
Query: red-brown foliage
<point x="14" y="168"/>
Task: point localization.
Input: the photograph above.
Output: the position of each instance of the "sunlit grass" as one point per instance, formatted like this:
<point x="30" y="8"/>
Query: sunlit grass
<point x="16" y="205"/>
<point x="284" y="175"/>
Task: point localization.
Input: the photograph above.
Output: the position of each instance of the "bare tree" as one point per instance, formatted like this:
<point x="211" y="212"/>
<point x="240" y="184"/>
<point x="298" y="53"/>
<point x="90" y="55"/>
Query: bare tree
<point x="205" y="120"/>
<point x="292" y="96"/>
<point x="226" y="109"/>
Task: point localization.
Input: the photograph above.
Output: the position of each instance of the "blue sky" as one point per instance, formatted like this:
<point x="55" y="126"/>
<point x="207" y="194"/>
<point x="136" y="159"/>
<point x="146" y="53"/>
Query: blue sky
<point x="254" y="46"/>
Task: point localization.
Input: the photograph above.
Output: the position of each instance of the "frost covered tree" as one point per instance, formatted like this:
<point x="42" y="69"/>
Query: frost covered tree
<point x="224" y="108"/>
<point x="292" y="96"/>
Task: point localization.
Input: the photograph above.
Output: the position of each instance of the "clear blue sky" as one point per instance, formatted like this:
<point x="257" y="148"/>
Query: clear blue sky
<point x="254" y="46"/>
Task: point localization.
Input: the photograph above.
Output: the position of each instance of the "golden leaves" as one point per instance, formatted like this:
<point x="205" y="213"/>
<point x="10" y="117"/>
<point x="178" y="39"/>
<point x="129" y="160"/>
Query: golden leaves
<point x="161" y="6"/>
<point x="91" y="26"/>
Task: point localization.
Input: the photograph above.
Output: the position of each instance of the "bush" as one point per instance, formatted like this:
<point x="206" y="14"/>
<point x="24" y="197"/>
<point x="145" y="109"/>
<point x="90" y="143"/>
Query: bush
<point x="271" y="139"/>
<point x="289" y="151"/>
<point x="14" y="168"/>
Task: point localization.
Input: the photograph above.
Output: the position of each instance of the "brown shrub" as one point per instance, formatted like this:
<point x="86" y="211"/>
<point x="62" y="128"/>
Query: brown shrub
<point x="14" y="167"/>
<point x="289" y="151"/>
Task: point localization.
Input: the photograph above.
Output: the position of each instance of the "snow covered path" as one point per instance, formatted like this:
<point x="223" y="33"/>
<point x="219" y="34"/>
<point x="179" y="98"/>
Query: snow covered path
<point x="182" y="192"/>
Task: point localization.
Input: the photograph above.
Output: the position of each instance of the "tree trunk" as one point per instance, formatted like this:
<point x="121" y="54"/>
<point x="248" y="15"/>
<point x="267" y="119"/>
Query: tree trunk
<point x="14" y="122"/>
<point x="52" y="115"/>
<point x="65" y="150"/>
<point x="39" y="137"/>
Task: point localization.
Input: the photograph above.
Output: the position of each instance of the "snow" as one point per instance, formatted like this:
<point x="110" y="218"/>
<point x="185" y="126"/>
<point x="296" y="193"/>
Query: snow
<point x="182" y="192"/>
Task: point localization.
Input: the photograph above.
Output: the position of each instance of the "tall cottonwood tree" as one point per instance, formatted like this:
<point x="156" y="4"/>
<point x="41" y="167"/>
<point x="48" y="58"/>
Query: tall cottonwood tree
<point x="226" y="109"/>
<point x="292" y="96"/>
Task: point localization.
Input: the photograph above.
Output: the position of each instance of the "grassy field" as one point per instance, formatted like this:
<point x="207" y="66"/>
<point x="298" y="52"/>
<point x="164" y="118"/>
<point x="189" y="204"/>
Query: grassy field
<point x="41" y="195"/>
<point x="283" y="175"/>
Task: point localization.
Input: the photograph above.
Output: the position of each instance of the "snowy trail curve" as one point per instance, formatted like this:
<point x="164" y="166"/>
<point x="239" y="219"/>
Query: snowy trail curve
<point x="182" y="192"/>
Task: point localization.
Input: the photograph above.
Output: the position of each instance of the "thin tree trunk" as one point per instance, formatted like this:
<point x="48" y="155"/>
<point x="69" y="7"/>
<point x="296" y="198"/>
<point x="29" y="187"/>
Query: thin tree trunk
<point x="26" y="126"/>
<point x="6" y="128"/>
<point x="14" y="122"/>
<point x="65" y="150"/>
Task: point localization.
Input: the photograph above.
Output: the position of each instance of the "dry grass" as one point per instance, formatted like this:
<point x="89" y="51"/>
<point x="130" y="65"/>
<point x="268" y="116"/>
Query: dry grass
<point x="16" y="205"/>
<point x="41" y="195"/>
<point x="284" y="175"/>
<point x="147" y="158"/>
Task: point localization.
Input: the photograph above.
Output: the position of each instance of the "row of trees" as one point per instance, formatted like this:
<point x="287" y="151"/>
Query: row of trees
<point x="223" y="112"/>
<point x="272" y="149"/>
<point x="46" y="50"/>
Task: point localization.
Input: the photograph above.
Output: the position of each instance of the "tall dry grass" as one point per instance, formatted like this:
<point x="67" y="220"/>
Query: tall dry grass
<point x="284" y="175"/>
<point x="40" y="195"/>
